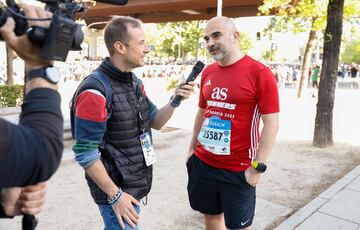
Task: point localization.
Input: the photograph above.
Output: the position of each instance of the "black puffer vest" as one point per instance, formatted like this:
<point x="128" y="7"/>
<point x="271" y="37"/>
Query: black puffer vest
<point x="121" y="150"/>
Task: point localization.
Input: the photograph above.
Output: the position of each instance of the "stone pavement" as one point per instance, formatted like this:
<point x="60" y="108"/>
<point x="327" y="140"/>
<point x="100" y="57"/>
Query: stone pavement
<point x="338" y="207"/>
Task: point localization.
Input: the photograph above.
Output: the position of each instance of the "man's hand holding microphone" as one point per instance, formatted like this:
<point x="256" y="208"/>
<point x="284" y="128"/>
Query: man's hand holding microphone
<point x="182" y="92"/>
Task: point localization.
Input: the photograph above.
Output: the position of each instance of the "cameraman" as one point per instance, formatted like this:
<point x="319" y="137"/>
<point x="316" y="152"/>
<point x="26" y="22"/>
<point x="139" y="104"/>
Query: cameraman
<point x="31" y="151"/>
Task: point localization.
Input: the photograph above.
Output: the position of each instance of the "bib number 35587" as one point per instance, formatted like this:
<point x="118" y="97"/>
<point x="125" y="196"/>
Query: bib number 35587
<point x="212" y="135"/>
<point x="215" y="135"/>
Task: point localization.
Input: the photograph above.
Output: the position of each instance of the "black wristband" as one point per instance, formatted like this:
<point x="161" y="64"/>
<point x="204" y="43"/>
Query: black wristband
<point x="173" y="103"/>
<point x="114" y="199"/>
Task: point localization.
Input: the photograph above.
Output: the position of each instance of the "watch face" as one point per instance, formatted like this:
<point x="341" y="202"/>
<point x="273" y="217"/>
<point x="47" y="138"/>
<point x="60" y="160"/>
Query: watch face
<point x="261" y="167"/>
<point x="52" y="74"/>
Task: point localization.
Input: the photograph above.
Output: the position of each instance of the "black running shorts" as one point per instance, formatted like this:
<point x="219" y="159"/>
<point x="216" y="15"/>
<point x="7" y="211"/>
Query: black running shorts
<point x="214" y="191"/>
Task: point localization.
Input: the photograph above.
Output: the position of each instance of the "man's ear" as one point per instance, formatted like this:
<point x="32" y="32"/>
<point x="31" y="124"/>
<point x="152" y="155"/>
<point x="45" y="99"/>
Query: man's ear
<point x="119" y="47"/>
<point x="235" y="37"/>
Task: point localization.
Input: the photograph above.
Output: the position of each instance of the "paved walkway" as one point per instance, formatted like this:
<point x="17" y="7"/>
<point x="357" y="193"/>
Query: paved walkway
<point x="336" y="208"/>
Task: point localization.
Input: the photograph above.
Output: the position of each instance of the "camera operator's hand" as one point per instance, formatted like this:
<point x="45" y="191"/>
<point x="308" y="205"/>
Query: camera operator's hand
<point x="27" y="200"/>
<point x="21" y="44"/>
<point x="10" y="201"/>
<point x="32" y="198"/>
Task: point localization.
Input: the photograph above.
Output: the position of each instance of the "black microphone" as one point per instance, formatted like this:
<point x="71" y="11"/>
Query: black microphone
<point x="29" y="222"/>
<point x="194" y="73"/>
<point x="114" y="2"/>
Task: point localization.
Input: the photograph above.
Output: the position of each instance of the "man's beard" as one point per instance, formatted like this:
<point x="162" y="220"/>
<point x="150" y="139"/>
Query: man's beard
<point x="221" y="53"/>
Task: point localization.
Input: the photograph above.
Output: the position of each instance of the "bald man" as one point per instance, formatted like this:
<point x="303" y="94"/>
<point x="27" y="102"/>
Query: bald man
<point x="226" y="154"/>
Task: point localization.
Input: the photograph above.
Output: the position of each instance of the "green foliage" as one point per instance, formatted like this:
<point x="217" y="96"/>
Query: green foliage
<point x="11" y="95"/>
<point x="301" y="15"/>
<point x="245" y="42"/>
<point x="174" y="37"/>
<point x="351" y="53"/>
<point x="268" y="55"/>
<point x="172" y="84"/>
<point x="352" y="11"/>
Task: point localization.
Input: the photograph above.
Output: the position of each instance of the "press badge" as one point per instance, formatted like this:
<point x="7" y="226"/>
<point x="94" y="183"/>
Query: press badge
<point x="215" y="135"/>
<point x="147" y="149"/>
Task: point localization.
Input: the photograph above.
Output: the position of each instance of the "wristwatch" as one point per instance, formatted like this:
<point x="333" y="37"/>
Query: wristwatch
<point x="259" y="166"/>
<point x="50" y="73"/>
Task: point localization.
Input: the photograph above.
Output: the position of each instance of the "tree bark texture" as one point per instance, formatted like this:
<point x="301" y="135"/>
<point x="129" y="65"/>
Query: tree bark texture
<point x="323" y="133"/>
<point x="9" y="66"/>
<point x="307" y="59"/>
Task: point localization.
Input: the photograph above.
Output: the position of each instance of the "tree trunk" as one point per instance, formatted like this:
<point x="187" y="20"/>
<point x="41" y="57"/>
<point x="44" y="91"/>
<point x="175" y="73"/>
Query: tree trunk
<point x="323" y="133"/>
<point x="197" y="44"/>
<point x="183" y="55"/>
<point x="9" y="66"/>
<point x="307" y="58"/>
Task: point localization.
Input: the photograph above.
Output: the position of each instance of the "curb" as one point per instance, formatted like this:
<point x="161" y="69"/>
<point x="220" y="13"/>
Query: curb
<point x="10" y="110"/>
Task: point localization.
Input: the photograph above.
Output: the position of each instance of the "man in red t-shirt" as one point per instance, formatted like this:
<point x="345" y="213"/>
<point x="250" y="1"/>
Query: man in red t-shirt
<point x="226" y="154"/>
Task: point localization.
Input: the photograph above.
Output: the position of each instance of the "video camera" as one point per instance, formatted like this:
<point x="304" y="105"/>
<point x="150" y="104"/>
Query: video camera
<point x="62" y="35"/>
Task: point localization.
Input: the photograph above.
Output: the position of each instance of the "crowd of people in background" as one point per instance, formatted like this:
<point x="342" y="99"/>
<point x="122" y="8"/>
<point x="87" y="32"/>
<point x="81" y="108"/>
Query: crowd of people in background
<point x="156" y="67"/>
<point x="287" y="75"/>
<point x="349" y="71"/>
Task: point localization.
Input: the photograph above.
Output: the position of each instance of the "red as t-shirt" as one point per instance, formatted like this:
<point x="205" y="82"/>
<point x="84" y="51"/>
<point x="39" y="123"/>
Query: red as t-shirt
<point x="240" y="93"/>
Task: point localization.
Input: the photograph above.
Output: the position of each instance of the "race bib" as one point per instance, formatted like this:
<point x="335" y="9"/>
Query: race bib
<point x="215" y="135"/>
<point x="147" y="149"/>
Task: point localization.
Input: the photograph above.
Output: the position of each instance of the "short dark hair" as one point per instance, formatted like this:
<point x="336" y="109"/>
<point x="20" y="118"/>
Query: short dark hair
<point x="116" y="30"/>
